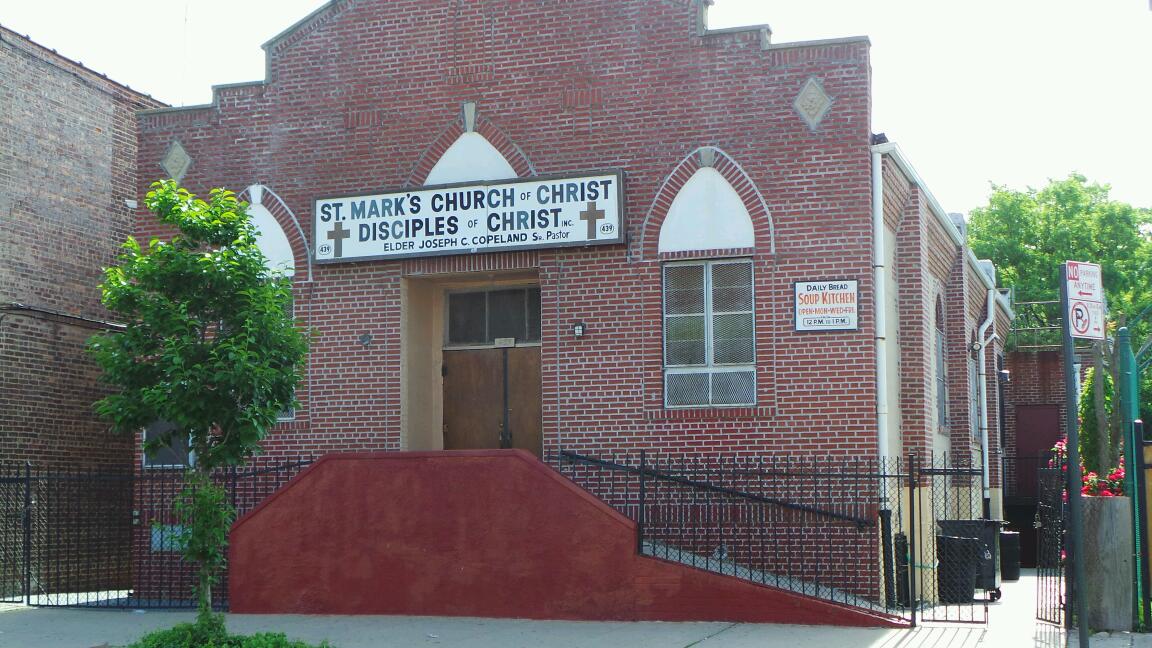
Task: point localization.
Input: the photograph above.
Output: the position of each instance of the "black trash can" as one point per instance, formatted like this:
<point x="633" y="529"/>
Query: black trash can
<point x="957" y="565"/>
<point x="902" y="584"/>
<point x="988" y="533"/>
<point x="1010" y="555"/>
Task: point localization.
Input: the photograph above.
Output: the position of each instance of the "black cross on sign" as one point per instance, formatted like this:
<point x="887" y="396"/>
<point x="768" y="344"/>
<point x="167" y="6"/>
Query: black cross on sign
<point x="337" y="236"/>
<point x="592" y="216"/>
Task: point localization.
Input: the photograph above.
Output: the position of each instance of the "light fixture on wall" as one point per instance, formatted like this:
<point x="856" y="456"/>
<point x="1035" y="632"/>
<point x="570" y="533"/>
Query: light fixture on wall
<point x="365" y="339"/>
<point x="1005" y="376"/>
<point x="579" y="329"/>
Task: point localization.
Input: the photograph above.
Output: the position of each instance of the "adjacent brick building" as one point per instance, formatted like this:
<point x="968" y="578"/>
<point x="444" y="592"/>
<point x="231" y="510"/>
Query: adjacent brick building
<point x="67" y="187"/>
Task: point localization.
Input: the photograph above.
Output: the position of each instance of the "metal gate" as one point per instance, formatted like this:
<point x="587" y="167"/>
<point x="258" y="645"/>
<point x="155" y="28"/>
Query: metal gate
<point x="1051" y="515"/>
<point x="89" y="538"/>
<point x="14" y="545"/>
<point x="954" y="550"/>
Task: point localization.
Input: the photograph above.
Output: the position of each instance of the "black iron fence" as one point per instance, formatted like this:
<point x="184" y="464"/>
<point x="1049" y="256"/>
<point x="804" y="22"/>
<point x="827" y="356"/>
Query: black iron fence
<point x="858" y="532"/>
<point x="870" y="534"/>
<point x="95" y="538"/>
<point x="1051" y="519"/>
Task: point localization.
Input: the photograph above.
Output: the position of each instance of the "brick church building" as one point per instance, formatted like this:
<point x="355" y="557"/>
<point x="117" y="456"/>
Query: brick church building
<point x="595" y="226"/>
<point x="650" y="234"/>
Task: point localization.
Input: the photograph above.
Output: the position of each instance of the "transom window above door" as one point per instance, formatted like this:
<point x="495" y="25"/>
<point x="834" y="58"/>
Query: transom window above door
<point x="478" y="318"/>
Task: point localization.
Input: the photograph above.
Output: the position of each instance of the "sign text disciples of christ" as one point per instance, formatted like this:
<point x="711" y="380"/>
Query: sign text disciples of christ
<point x="465" y="219"/>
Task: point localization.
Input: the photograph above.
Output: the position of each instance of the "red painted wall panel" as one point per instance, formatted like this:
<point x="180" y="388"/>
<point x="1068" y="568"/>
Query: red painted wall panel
<point x="475" y="533"/>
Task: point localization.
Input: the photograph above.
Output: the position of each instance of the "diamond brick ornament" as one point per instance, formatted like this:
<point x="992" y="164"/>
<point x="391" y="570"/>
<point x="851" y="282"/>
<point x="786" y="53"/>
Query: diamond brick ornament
<point x="176" y="161"/>
<point x="812" y="103"/>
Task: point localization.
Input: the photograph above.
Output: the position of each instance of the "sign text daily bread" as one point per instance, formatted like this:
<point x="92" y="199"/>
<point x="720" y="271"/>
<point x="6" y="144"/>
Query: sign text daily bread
<point x="827" y="305"/>
<point x="464" y="219"/>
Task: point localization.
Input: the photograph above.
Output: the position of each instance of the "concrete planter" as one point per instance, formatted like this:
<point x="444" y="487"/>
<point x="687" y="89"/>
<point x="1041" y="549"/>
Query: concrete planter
<point x="1108" y="562"/>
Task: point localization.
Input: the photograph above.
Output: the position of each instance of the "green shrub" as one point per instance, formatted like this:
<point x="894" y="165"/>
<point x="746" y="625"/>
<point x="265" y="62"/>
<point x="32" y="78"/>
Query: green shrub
<point x="210" y="633"/>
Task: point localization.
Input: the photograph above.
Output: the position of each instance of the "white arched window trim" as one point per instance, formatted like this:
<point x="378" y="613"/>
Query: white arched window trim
<point x="706" y="214"/>
<point x="470" y="158"/>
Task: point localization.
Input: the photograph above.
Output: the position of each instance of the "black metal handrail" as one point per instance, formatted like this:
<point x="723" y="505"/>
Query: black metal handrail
<point x="705" y="486"/>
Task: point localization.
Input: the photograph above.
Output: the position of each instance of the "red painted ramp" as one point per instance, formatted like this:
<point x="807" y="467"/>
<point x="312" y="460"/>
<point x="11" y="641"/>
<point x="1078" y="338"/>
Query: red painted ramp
<point x="475" y="533"/>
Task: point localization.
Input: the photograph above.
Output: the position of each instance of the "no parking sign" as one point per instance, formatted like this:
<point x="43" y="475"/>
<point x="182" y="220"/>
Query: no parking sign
<point x="1085" y="290"/>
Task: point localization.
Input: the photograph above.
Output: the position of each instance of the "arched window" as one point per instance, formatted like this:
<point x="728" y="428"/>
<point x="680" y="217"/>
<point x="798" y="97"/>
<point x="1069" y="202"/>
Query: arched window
<point x="707" y="214"/>
<point x="272" y="240"/>
<point x="471" y="157"/>
<point x="941" y="371"/>
<point x="709" y="304"/>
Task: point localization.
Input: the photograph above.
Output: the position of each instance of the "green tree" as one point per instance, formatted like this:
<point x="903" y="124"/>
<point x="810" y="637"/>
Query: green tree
<point x="1098" y="451"/>
<point x="1029" y="234"/>
<point x="210" y="347"/>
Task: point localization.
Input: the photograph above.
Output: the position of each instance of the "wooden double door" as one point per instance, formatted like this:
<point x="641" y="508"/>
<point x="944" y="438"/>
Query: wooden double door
<point x="492" y="399"/>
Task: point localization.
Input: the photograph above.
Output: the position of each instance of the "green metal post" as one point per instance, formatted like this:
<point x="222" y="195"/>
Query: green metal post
<point x="1129" y="410"/>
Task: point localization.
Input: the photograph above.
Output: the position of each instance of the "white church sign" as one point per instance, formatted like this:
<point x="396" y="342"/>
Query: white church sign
<point x="465" y="219"/>
<point x="827" y="305"/>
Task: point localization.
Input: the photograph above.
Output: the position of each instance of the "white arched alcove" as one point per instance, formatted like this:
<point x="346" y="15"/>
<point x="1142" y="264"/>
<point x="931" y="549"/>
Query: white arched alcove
<point x="707" y="214"/>
<point x="471" y="157"/>
<point x="270" y="237"/>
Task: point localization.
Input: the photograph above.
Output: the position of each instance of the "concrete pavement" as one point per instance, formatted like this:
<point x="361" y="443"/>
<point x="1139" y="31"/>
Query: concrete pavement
<point x="1011" y="625"/>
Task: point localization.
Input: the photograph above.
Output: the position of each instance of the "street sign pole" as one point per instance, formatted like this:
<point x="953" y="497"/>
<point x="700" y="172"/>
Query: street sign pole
<point x="1074" y="586"/>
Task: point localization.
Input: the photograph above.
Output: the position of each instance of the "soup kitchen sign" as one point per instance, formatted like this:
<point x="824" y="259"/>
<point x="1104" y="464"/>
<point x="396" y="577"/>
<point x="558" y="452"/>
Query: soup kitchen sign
<point x="471" y="218"/>
<point x="827" y="305"/>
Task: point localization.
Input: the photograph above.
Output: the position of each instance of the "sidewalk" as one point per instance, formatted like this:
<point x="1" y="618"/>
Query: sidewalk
<point x="67" y="628"/>
<point x="1012" y="625"/>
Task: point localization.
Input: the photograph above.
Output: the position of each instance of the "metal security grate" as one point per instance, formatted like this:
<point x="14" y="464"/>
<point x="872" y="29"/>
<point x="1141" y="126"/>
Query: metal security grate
<point x="92" y="538"/>
<point x="733" y="387"/>
<point x="846" y="531"/>
<point x="709" y="334"/>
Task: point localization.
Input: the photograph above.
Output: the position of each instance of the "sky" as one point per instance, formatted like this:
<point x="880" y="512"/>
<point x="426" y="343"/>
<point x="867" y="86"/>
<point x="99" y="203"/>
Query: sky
<point x="975" y="92"/>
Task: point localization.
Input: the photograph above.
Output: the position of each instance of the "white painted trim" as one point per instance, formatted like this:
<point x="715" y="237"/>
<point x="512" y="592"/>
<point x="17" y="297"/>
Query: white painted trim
<point x="644" y="242"/>
<point x="470" y="158"/>
<point x="706" y="214"/>
<point x="272" y="240"/>
<point x="893" y="152"/>
<point x="879" y="289"/>
<point x="295" y="221"/>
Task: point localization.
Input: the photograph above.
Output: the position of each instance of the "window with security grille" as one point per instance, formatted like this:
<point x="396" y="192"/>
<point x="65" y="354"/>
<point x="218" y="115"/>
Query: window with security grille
<point x="941" y="373"/>
<point x="709" y="334"/>
<point x="162" y="449"/>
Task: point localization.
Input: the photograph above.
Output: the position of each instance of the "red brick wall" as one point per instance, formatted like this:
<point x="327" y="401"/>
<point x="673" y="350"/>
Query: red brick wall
<point x="69" y="165"/>
<point x="921" y="285"/>
<point x="356" y="100"/>
<point x="932" y="272"/>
